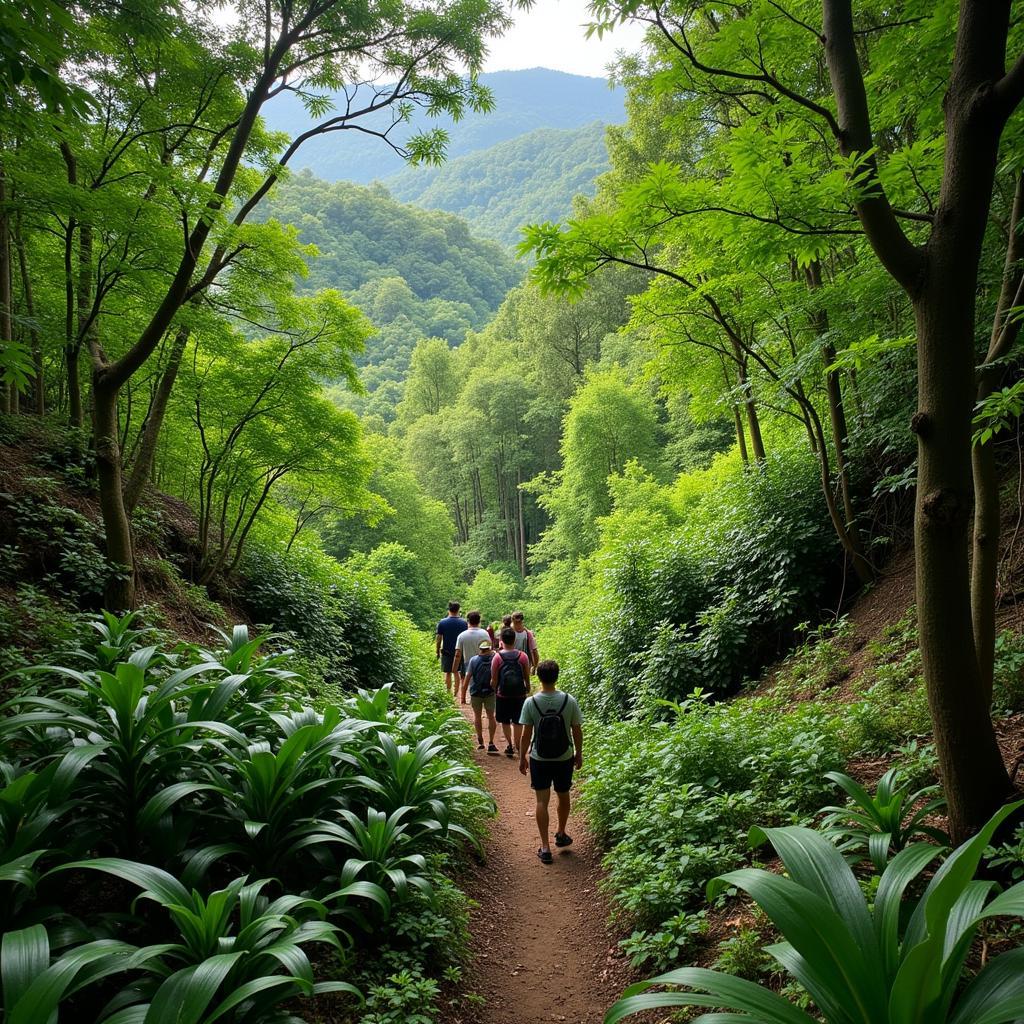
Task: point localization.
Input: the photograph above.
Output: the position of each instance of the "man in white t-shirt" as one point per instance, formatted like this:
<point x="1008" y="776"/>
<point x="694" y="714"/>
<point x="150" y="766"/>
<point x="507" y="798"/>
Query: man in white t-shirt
<point x="466" y="647"/>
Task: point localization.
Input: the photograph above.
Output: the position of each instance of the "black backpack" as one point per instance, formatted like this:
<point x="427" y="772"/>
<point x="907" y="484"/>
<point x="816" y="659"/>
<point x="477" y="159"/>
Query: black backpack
<point x="511" y="681"/>
<point x="552" y="738"/>
<point x="481" y="686"/>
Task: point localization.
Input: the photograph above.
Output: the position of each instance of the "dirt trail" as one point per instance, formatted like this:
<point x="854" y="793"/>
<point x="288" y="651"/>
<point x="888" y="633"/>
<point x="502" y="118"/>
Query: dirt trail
<point x="543" y="952"/>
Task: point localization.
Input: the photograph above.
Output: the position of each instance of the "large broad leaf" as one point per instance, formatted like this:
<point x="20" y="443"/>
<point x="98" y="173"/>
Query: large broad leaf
<point x="20" y="870"/>
<point x="764" y="1006"/>
<point x="157" y="806"/>
<point x="40" y="1000"/>
<point x="24" y="955"/>
<point x="813" y="862"/>
<point x="185" y="995"/>
<point x="902" y="870"/>
<point x="250" y="989"/>
<point x="835" y="971"/>
<point x="951" y="879"/>
<point x="164" y="887"/>
<point x="996" y="995"/>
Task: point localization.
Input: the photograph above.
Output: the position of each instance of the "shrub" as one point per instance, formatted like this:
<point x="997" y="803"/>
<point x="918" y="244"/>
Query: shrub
<point x="898" y="958"/>
<point x="889" y="820"/>
<point x="674" y="801"/>
<point x="339" y="619"/>
<point x="201" y="770"/>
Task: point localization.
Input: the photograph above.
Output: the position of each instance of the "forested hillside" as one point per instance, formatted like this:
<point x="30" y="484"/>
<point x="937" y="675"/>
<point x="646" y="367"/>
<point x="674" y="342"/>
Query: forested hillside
<point x="414" y="274"/>
<point x="530" y="178"/>
<point x="522" y="102"/>
<point x="739" y="439"/>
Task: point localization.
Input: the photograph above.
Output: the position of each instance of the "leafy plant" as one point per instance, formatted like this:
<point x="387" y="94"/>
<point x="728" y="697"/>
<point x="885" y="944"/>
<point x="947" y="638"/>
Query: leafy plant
<point x="237" y="951"/>
<point x="899" y="959"/>
<point x="410" y="779"/>
<point x="35" y="982"/>
<point x="133" y="718"/>
<point x="382" y="855"/>
<point x="889" y="820"/>
<point x="406" y="998"/>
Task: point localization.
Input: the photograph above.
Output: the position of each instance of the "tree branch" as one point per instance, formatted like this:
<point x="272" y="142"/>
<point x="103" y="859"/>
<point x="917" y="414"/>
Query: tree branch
<point x="898" y="254"/>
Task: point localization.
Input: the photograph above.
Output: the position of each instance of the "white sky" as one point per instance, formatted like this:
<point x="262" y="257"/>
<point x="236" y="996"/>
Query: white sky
<point x="552" y="34"/>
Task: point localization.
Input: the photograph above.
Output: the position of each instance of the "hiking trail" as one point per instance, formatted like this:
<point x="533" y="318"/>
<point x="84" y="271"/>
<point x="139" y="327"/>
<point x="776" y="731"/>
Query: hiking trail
<point x="542" y="950"/>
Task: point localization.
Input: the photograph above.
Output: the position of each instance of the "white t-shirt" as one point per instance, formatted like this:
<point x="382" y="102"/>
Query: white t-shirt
<point x="469" y="643"/>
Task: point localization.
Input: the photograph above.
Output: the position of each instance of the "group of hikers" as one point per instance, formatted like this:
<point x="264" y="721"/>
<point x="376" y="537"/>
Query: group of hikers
<point x="495" y="666"/>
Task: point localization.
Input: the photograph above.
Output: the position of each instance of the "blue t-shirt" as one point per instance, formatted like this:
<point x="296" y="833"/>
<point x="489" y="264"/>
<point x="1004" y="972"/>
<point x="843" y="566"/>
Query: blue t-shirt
<point x="449" y="629"/>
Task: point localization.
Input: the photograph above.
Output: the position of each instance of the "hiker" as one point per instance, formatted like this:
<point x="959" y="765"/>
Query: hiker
<point x="449" y="629"/>
<point x="510" y="677"/>
<point x="481" y="695"/>
<point x="553" y="735"/>
<point x="467" y="647"/>
<point x="525" y="640"/>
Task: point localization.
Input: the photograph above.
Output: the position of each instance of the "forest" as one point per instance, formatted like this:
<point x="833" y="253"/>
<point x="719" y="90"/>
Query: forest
<point x="736" y="429"/>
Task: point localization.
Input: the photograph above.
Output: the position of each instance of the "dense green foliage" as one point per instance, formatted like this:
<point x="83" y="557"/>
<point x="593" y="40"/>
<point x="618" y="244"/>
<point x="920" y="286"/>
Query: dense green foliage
<point x="682" y="444"/>
<point x="674" y="800"/>
<point x="252" y="825"/>
<point x="859" y="960"/>
<point x="529" y="178"/>
<point x="415" y="274"/>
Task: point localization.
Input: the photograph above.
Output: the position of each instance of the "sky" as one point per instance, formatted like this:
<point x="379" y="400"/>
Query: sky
<point x="552" y="35"/>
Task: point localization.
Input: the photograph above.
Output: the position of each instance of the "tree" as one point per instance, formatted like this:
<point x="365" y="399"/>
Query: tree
<point x="257" y="410"/>
<point x="938" y="270"/>
<point x="609" y="424"/>
<point x="222" y="168"/>
<point x="432" y="383"/>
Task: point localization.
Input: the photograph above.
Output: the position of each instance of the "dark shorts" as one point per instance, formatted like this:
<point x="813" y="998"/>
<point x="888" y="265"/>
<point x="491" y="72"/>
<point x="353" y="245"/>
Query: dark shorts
<point x="509" y="709"/>
<point x="545" y="774"/>
<point x="447" y="660"/>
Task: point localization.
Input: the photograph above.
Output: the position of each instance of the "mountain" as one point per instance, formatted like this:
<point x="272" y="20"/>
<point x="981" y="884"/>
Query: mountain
<point x="524" y="102"/>
<point x="415" y="273"/>
<point x="532" y="177"/>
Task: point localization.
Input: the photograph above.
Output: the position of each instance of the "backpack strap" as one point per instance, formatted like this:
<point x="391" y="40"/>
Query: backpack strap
<point x="565" y="701"/>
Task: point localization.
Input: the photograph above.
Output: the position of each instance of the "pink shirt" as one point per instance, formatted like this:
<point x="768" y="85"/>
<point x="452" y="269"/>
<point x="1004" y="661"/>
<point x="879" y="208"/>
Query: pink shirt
<point x="524" y="663"/>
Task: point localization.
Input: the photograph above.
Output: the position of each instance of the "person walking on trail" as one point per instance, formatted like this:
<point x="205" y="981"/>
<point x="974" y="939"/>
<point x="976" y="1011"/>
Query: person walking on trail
<point x="510" y="677"/>
<point x="525" y="640"/>
<point x="553" y="737"/>
<point x="449" y="629"/>
<point x="467" y="647"/>
<point x="481" y="695"/>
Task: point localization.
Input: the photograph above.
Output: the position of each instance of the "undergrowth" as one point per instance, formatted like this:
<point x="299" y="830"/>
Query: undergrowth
<point x="673" y="798"/>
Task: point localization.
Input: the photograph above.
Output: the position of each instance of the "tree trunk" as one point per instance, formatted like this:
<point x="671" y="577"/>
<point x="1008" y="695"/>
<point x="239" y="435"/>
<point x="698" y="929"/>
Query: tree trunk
<point x="740" y="438"/>
<point x="941" y="281"/>
<point x="72" y="343"/>
<point x="120" y="593"/>
<point x="840" y="429"/>
<point x="833" y="388"/>
<point x="139" y="476"/>
<point x="985" y="561"/>
<point x="522" y="524"/>
<point x="974" y="778"/>
<point x="753" y="422"/>
<point x="6" y="322"/>
<point x="39" y="387"/>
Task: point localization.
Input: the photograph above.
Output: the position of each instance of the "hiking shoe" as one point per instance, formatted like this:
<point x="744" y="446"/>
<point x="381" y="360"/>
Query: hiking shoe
<point x="480" y="745"/>
<point x="509" y="752"/>
<point x="563" y="839"/>
<point x="545" y="857"/>
<point x="491" y="748"/>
